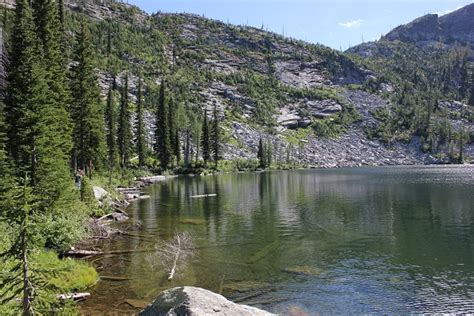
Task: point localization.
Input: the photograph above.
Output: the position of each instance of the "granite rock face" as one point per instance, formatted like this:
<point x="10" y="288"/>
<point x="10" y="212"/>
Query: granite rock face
<point x="430" y="30"/>
<point x="455" y="26"/>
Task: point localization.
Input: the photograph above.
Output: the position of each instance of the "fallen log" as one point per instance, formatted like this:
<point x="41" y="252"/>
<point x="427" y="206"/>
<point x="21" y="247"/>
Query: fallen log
<point x="73" y="296"/>
<point x="203" y="195"/>
<point x="79" y="253"/>
<point x="113" y="278"/>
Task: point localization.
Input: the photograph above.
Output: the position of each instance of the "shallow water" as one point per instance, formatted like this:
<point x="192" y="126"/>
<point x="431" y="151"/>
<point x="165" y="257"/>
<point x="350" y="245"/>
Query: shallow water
<point x="392" y="240"/>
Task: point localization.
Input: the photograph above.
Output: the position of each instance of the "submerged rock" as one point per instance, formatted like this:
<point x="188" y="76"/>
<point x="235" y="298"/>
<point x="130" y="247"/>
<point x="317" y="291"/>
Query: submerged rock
<point x="196" y="301"/>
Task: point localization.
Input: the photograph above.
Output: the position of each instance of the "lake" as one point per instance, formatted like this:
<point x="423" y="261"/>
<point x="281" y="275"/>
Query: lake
<point x="393" y="240"/>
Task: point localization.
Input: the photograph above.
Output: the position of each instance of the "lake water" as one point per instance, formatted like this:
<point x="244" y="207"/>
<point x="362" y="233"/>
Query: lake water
<point x="392" y="240"/>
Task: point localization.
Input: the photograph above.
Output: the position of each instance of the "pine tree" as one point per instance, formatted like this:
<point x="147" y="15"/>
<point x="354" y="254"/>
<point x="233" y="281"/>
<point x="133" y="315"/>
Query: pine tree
<point x="110" y="120"/>
<point x="62" y="26"/>
<point x="162" y="133"/>
<point x="86" y="110"/>
<point x="24" y="56"/>
<point x="205" y="142"/>
<point x="20" y="281"/>
<point x="461" y="145"/>
<point x="215" y="137"/>
<point x="5" y="170"/>
<point x="140" y="128"/>
<point x="36" y="124"/>
<point x="174" y="130"/>
<point x="124" y="132"/>
<point x="268" y="154"/>
<point x="471" y="97"/>
<point x="51" y="39"/>
<point x="261" y="155"/>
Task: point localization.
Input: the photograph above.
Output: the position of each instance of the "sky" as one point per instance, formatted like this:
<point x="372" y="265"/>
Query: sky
<point x="339" y="24"/>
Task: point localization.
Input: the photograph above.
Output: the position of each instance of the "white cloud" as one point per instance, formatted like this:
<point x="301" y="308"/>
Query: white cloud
<point x="351" y="24"/>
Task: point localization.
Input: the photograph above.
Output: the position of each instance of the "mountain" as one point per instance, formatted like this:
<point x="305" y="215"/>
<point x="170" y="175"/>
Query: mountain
<point x="457" y="26"/>
<point x="431" y="30"/>
<point x="314" y="105"/>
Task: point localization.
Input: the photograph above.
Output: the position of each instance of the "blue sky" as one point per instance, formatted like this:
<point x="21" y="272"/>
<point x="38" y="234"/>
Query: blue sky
<point x="335" y="23"/>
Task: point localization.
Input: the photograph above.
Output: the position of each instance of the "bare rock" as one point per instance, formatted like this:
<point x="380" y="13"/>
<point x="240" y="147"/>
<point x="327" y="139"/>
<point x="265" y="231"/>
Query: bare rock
<point x="189" y="300"/>
<point x="99" y="193"/>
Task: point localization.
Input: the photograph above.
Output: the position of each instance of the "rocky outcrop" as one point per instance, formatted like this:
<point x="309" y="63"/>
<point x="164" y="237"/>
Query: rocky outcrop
<point x="196" y="302"/>
<point x="430" y="30"/>
<point x="457" y="26"/>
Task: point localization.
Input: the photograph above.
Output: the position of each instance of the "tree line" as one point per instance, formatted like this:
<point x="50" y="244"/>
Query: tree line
<point x="54" y="123"/>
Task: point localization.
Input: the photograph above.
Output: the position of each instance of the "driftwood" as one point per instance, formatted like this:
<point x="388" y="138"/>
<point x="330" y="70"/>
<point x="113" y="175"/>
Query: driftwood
<point x="73" y="296"/>
<point x="79" y="253"/>
<point x="113" y="278"/>
<point x="203" y="196"/>
<point x="174" y="254"/>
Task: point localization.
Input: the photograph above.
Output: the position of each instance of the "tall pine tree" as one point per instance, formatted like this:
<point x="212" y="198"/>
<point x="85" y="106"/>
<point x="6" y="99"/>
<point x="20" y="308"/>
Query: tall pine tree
<point x="36" y="130"/>
<point x="124" y="138"/>
<point x="111" y="124"/>
<point x="215" y="136"/>
<point x="261" y="155"/>
<point x="205" y="139"/>
<point x="24" y="57"/>
<point x="86" y="108"/>
<point x="162" y="133"/>
<point x="140" y="127"/>
<point x="471" y="97"/>
<point x="173" y="128"/>
<point x="50" y="36"/>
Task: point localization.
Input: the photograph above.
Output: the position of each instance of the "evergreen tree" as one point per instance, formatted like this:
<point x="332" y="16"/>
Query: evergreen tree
<point x="5" y="170"/>
<point x="173" y="130"/>
<point x="140" y="128"/>
<point x="124" y="132"/>
<point x="268" y="154"/>
<point x="36" y="130"/>
<point x="62" y="26"/>
<point x="471" y="97"/>
<point x="20" y="281"/>
<point x="50" y="36"/>
<point x="110" y="120"/>
<point x="462" y="141"/>
<point x="215" y="137"/>
<point x="205" y="141"/>
<point x="24" y="56"/>
<point x="86" y="110"/>
<point x="162" y="133"/>
<point x="261" y="155"/>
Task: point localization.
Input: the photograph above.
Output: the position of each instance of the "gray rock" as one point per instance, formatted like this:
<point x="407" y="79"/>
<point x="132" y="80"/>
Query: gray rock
<point x="99" y="193"/>
<point x="196" y="301"/>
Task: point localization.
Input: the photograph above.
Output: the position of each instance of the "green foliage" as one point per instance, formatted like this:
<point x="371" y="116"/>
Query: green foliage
<point x="86" y="110"/>
<point x="111" y="124"/>
<point x="238" y="164"/>
<point x="205" y="139"/>
<point x="162" y="131"/>
<point x="337" y="124"/>
<point x="124" y="133"/>
<point x="267" y="95"/>
<point x="140" y="128"/>
<point x="215" y="136"/>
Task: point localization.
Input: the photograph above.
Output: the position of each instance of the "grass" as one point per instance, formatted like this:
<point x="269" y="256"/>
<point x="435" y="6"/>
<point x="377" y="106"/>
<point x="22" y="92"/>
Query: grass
<point x="66" y="276"/>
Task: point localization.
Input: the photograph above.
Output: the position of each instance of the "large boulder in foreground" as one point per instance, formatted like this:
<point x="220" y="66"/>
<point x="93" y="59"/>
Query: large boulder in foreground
<point x="196" y="301"/>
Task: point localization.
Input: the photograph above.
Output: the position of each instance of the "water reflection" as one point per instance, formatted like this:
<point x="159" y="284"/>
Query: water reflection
<point x="379" y="240"/>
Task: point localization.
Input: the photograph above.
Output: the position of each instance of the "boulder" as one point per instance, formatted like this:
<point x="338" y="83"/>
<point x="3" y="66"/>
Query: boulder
<point x="288" y="120"/>
<point x="99" y="193"/>
<point x="189" y="300"/>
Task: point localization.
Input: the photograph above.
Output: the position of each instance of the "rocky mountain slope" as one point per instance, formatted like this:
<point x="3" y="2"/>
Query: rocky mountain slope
<point x="431" y="30"/>
<point x="311" y="103"/>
